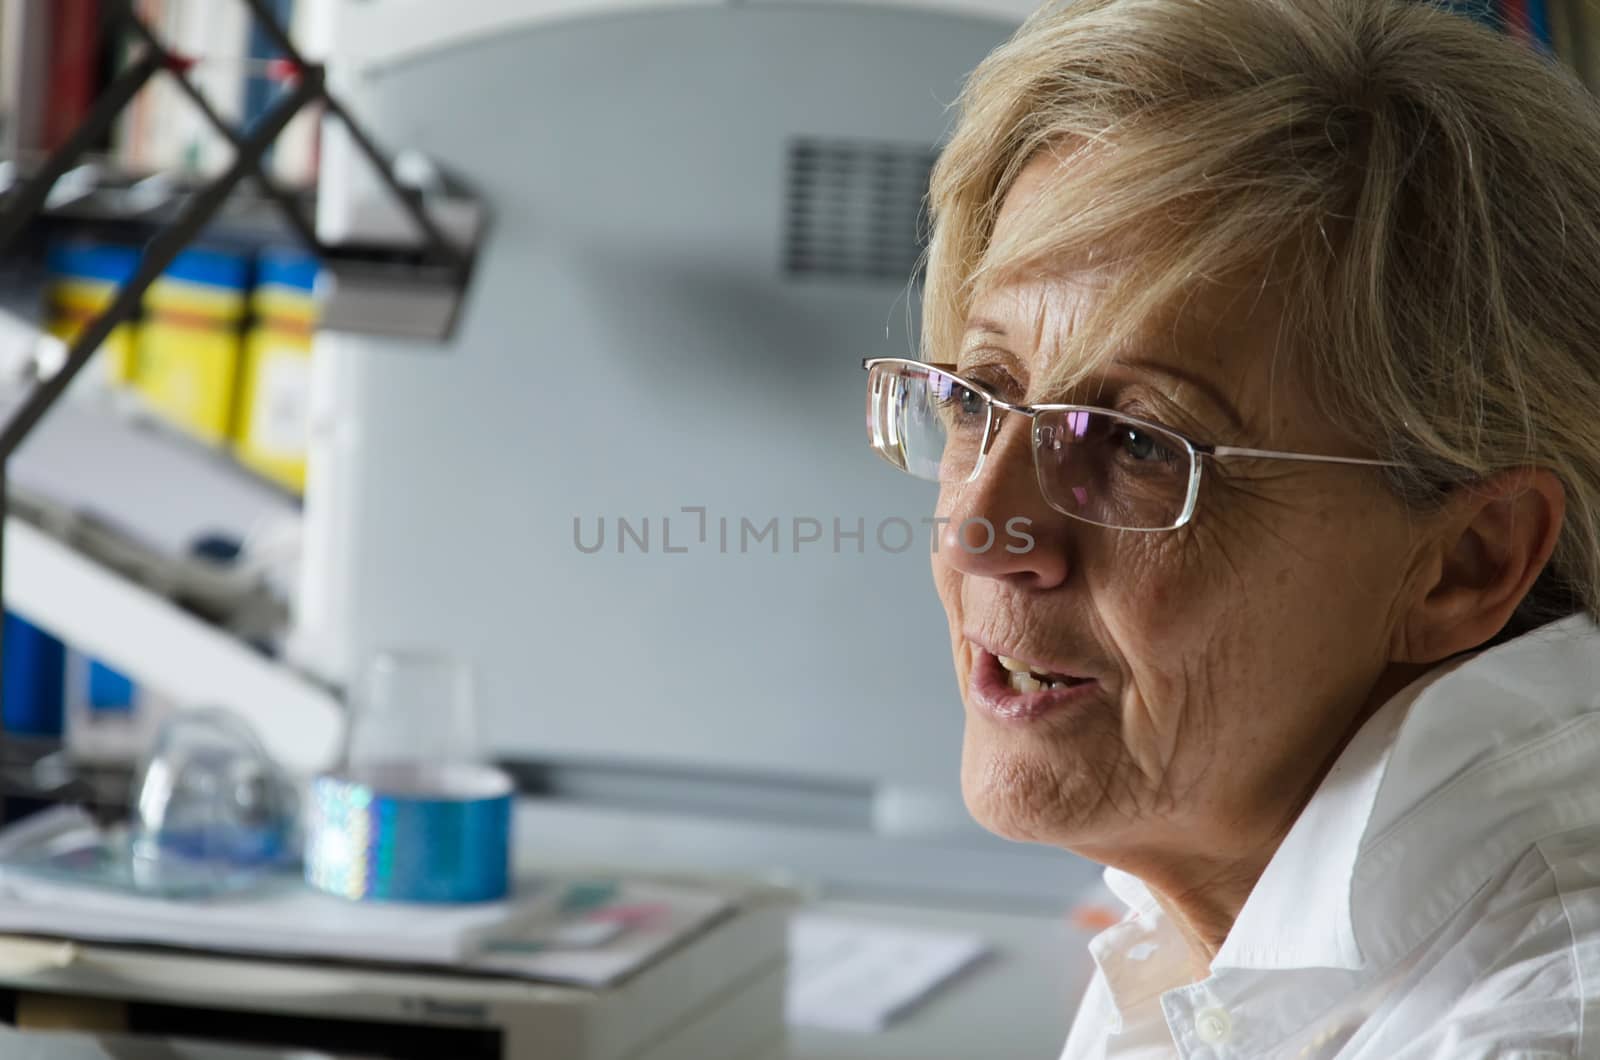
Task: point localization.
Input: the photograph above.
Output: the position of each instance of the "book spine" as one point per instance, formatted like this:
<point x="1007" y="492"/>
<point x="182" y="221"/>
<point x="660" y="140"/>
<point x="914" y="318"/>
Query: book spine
<point x="297" y="157"/>
<point x="260" y="89"/>
<point x="23" y="72"/>
<point x="74" y="51"/>
<point x="1514" y="16"/>
<point x="1538" y="22"/>
<point x="131" y="142"/>
<point x="1484" y="11"/>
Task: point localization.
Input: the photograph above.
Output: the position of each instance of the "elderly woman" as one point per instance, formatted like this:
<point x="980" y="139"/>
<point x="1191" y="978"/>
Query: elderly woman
<point x="1261" y="386"/>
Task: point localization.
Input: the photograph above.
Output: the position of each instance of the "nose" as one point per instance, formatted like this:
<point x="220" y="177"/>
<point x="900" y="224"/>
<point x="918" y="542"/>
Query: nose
<point x="998" y="525"/>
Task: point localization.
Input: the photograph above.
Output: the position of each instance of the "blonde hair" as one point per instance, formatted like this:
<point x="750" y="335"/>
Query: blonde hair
<point x="1422" y="194"/>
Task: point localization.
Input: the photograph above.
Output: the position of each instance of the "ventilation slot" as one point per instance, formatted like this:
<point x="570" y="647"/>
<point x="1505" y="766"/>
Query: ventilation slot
<point x="855" y="209"/>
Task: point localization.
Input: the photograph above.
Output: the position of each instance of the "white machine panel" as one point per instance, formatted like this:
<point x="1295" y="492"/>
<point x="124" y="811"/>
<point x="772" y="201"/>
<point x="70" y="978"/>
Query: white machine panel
<point x="703" y="219"/>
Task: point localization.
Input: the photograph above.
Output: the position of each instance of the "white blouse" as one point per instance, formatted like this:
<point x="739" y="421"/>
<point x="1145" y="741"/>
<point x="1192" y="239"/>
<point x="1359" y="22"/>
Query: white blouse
<point x="1438" y="898"/>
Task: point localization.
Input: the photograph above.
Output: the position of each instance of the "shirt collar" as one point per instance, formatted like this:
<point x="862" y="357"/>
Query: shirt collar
<point x="1327" y="897"/>
<point x="1139" y="958"/>
<point x="1299" y="914"/>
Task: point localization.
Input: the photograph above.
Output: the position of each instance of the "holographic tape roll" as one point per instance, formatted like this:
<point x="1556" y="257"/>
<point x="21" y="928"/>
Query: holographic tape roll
<point x="411" y="833"/>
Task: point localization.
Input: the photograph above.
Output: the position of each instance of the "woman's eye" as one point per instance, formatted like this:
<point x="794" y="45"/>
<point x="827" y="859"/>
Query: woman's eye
<point x="1137" y="443"/>
<point x="972" y="402"/>
<point x="1143" y="447"/>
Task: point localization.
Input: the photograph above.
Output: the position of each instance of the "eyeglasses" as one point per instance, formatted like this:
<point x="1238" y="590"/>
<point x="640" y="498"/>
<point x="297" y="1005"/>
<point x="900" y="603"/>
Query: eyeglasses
<point x="1093" y="464"/>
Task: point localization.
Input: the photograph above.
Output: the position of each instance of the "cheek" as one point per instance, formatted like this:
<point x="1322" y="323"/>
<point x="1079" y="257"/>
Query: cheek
<point x="1240" y="612"/>
<point x="947" y="583"/>
<point x="1153" y="593"/>
<point x="1173" y="623"/>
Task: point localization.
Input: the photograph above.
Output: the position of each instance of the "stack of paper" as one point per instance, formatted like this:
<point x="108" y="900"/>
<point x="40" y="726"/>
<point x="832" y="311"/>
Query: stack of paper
<point x="851" y="976"/>
<point x="534" y="935"/>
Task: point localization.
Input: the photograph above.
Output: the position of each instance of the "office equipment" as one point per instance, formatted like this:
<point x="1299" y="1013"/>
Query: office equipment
<point x="520" y="936"/>
<point x="716" y="990"/>
<point x="701" y="214"/>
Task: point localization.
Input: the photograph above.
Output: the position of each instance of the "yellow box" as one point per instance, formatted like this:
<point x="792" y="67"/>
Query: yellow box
<point x="84" y="278"/>
<point x="275" y="404"/>
<point x="187" y="375"/>
<point x="273" y="430"/>
<point x="189" y="346"/>
<point x="74" y="304"/>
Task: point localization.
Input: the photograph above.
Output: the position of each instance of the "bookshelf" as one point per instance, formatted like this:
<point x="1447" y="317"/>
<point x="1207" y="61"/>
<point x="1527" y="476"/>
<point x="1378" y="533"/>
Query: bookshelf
<point x="58" y="56"/>
<point x="230" y="170"/>
<point x="1566" y="30"/>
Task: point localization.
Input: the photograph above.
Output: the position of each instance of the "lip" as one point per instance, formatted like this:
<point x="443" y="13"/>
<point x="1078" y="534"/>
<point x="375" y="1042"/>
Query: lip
<point x="991" y="692"/>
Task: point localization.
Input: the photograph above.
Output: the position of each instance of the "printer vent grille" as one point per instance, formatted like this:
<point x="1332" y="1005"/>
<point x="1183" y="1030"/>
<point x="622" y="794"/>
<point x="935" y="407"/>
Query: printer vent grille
<point x="855" y="209"/>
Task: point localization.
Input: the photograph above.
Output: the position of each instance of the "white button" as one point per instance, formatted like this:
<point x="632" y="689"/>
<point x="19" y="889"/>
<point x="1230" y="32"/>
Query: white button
<point x="1213" y="1025"/>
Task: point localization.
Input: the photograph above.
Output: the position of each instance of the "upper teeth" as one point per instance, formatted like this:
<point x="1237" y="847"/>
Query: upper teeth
<point x="1023" y="678"/>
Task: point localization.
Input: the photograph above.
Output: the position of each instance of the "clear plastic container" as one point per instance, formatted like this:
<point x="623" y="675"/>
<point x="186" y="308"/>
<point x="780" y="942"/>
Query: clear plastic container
<point x="414" y="706"/>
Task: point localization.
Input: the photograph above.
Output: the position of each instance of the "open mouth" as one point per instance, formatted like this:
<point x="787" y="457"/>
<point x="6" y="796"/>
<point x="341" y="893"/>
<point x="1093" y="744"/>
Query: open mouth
<point x="1024" y="678"/>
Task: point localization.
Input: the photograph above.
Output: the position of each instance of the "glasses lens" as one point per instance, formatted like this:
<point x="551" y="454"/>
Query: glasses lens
<point x="1112" y="471"/>
<point x="925" y="421"/>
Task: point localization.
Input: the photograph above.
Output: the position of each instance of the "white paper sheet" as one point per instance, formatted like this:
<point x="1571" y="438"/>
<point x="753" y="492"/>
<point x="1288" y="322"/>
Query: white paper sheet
<point x="848" y="975"/>
<point x="296" y="921"/>
<point x="291" y="920"/>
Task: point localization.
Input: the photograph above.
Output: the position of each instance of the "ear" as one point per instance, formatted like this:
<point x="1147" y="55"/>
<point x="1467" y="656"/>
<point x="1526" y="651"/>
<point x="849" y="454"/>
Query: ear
<point x="1498" y="535"/>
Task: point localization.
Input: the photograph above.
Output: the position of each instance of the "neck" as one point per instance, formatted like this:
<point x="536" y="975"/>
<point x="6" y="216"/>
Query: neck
<point x="1203" y="891"/>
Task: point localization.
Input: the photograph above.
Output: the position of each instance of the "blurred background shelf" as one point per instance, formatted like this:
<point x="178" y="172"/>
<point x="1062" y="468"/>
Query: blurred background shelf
<point x="153" y="640"/>
<point x="102" y="553"/>
<point x="167" y="262"/>
<point x="101" y="456"/>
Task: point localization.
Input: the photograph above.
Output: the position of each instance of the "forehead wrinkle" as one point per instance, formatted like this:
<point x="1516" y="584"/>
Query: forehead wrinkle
<point x="1052" y="310"/>
<point x="1057" y="307"/>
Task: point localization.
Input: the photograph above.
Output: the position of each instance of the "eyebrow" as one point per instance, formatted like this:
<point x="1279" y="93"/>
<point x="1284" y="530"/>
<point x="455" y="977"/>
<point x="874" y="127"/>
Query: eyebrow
<point x="1206" y="388"/>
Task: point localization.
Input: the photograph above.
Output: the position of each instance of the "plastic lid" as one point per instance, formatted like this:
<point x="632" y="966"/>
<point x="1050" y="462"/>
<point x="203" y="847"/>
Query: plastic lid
<point x="215" y="268"/>
<point x="93" y="261"/>
<point x="284" y="267"/>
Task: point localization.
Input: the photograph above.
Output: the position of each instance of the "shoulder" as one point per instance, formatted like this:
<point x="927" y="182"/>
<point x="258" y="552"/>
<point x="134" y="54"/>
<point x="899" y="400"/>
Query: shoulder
<point x="1519" y="965"/>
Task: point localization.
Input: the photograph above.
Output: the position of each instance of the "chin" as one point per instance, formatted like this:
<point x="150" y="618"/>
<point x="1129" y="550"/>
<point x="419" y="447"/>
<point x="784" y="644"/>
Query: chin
<point x="1015" y="794"/>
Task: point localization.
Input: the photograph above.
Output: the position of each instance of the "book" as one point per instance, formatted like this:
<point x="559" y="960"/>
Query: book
<point x="24" y="73"/>
<point x="73" y="74"/>
<point x="1484" y="11"/>
<point x="163" y="129"/>
<point x="1513" y="17"/>
<point x="260" y="87"/>
<point x="1538" y="20"/>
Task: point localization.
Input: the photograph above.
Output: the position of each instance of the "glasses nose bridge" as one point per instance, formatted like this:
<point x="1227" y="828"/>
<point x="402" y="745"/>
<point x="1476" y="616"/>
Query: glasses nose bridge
<point x="998" y="411"/>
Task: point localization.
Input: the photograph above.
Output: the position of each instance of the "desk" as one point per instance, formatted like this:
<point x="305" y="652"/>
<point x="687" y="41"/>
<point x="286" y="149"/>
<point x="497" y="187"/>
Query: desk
<point x="1016" y="1004"/>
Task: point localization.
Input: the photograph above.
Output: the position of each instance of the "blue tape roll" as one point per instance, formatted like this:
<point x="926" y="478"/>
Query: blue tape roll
<point x="411" y="833"/>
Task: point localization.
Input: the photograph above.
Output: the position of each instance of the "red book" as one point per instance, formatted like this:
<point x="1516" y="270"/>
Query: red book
<point x="1515" y="14"/>
<point x="74" y="55"/>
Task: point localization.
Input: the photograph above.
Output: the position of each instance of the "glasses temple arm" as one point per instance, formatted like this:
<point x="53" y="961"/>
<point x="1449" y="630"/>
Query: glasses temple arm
<point x="1274" y="454"/>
